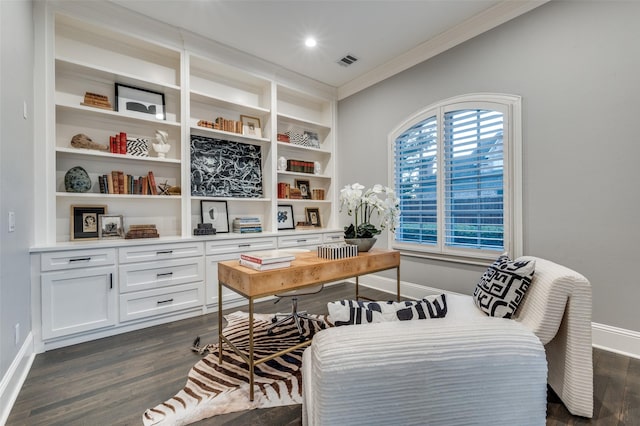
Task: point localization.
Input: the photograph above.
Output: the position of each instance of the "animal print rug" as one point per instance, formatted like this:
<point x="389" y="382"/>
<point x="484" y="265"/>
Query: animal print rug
<point x="213" y="389"/>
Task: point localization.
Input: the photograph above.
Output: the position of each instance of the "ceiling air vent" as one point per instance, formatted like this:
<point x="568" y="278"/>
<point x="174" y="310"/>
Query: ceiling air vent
<point x="347" y="60"/>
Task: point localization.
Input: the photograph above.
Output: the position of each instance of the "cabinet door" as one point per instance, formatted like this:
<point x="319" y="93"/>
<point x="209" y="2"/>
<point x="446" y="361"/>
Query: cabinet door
<point x="211" y="285"/>
<point x="75" y="301"/>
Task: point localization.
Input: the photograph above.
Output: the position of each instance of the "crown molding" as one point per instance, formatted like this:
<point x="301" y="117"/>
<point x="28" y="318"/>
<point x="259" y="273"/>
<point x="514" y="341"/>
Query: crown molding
<point x="476" y="25"/>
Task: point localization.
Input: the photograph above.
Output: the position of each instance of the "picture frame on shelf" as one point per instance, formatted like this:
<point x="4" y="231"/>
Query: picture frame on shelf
<point x="305" y="188"/>
<point x="312" y="139"/>
<point x="140" y="102"/>
<point x="215" y="213"/>
<point x="251" y="126"/>
<point x="84" y="221"/>
<point x="110" y="226"/>
<point x="285" y="217"/>
<point x="313" y="216"/>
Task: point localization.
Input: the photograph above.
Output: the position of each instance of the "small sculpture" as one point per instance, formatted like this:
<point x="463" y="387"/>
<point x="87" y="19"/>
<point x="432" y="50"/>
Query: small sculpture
<point x="282" y="164"/>
<point x="317" y="168"/>
<point x="162" y="147"/>
<point x="83" y="141"/>
<point x="77" y="180"/>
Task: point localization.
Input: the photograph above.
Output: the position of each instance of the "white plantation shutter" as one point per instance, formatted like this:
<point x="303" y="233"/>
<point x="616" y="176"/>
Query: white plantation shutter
<point x="455" y="180"/>
<point x="416" y="182"/>
<point x="473" y="176"/>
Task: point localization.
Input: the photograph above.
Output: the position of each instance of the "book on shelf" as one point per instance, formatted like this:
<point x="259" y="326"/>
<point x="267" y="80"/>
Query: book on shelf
<point x="153" y="189"/>
<point x="300" y="166"/>
<point x="284" y="190"/>
<point x="262" y="266"/>
<point x="268" y="256"/>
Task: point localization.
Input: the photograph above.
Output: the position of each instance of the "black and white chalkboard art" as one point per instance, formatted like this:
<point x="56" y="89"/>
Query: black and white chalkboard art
<point x="221" y="168"/>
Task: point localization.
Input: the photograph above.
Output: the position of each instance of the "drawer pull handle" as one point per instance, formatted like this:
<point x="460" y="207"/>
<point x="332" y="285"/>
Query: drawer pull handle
<point x="304" y="240"/>
<point x="80" y="259"/>
<point x="110" y="281"/>
<point x="160" y="302"/>
<point x="166" y="274"/>
<point x="244" y="245"/>
<point x="165" y="252"/>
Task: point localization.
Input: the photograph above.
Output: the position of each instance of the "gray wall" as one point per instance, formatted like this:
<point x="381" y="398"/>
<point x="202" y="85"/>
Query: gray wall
<point x="576" y="66"/>
<point x="16" y="173"/>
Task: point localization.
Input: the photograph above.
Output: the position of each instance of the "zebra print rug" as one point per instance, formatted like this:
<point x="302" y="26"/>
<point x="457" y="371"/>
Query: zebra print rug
<point x="213" y="389"/>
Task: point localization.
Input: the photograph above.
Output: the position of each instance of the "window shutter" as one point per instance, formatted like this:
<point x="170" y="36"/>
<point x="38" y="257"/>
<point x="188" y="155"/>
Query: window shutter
<point x="473" y="179"/>
<point x="416" y="170"/>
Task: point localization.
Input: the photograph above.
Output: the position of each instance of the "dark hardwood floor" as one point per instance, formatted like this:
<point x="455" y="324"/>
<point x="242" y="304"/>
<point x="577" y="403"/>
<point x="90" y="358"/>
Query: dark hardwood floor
<point x="112" y="381"/>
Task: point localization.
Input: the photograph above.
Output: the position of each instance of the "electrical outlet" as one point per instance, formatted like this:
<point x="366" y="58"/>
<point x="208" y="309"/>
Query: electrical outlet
<point x="12" y="221"/>
<point x="16" y="334"/>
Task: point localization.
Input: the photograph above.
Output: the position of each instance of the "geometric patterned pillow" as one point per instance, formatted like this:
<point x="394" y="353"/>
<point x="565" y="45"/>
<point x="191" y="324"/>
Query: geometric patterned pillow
<point x="347" y="312"/>
<point x="503" y="286"/>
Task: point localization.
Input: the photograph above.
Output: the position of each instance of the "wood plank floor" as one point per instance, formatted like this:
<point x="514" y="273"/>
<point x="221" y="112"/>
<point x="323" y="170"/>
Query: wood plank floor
<point x="112" y="381"/>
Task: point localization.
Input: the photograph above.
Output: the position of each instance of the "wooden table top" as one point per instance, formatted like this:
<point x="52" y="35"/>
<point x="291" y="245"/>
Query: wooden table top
<point x="306" y="270"/>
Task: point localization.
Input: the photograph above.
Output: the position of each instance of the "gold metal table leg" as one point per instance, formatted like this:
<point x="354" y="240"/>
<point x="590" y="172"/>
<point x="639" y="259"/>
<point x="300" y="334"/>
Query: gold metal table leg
<point x="251" y="360"/>
<point x="357" y="287"/>
<point x="220" y="340"/>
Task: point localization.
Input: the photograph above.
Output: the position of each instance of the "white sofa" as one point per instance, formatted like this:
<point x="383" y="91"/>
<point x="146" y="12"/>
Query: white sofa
<point x="464" y="369"/>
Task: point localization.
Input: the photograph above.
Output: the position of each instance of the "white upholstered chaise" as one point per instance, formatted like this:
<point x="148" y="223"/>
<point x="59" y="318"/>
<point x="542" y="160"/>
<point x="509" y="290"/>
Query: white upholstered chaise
<point x="467" y="368"/>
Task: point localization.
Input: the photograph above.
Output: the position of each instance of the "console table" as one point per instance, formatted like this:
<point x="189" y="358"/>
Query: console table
<point x="306" y="270"/>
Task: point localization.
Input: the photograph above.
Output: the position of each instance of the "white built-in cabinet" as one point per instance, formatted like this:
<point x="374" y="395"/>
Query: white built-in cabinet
<point x="83" y="290"/>
<point x="89" y="58"/>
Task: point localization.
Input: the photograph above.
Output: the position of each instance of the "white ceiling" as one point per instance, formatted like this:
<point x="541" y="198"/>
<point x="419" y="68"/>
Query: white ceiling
<point x="381" y="34"/>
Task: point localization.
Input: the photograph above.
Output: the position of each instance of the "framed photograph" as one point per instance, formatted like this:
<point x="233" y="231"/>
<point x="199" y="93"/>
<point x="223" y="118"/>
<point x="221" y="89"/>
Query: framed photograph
<point x="110" y="226"/>
<point x="251" y="126"/>
<point x="84" y="222"/>
<point x="304" y="187"/>
<point x="313" y="216"/>
<point x="285" y="216"/>
<point x="312" y="139"/>
<point x="140" y="102"/>
<point x="215" y="213"/>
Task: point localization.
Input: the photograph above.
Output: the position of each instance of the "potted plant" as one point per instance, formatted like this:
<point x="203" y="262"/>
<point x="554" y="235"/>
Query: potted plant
<point x="376" y="203"/>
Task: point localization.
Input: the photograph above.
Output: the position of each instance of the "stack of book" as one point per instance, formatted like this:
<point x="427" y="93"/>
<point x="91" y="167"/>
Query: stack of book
<point x="266" y="260"/>
<point x="247" y="225"/>
<point x="142" y="231"/>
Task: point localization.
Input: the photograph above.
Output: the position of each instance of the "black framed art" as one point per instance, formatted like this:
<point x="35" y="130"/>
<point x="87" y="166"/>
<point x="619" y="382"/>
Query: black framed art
<point x="84" y="221"/>
<point x="215" y="213"/>
<point x="285" y="217"/>
<point x="140" y="102"/>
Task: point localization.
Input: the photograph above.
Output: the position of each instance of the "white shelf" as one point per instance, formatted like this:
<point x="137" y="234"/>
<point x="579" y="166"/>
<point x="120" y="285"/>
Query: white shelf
<point x="118" y="196"/>
<point x="82" y="109"/>
<point x="226" y="104"/>
<point x="291" y="146"/>
<point x="300" y="122"/>
<point x="301" y="174"/>
<point x="221" y="134"/>
<point x="232" y="199"/>
<point x="109" y="75"/>
<point x="87" y="153"/>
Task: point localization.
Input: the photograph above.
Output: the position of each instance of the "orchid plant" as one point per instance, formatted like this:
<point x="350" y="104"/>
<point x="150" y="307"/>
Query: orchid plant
<point x="379" y="202"/>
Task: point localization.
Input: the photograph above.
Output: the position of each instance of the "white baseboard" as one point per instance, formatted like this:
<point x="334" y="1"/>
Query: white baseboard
<point x="605" y="337"/>
<point x="14" y="378"/>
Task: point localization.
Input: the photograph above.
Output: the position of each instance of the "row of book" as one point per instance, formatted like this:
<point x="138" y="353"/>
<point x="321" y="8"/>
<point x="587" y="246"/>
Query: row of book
<point x="221" y="123"/>
<point x="286" y="192"/>
<point x="142" y="231"/>
<point x="118" y="143"/>
<point x="246" y="225"/>
<point x="266" y="260"/>
<point x="300" y="166"/>
<point x="117" y="182"/>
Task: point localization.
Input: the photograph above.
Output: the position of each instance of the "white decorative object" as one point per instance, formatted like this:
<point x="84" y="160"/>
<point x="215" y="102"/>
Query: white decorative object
<point x="282" y="164"/>
<point x="162" y="147"/>
<point x="317" y="168"/>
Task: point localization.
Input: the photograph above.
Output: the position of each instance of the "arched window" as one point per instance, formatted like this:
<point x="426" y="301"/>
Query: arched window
<point x="457" y="171"/>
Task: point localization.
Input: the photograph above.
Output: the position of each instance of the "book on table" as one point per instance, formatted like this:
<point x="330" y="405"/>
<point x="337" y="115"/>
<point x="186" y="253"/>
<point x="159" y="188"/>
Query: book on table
<point x="268" y="256"/>
<point x="264" y="267"/>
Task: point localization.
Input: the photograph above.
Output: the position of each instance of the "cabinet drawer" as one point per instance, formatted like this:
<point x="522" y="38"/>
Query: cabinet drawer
<point x="148" y="303"/>
<point x="299" y="240"/>
<point x="74" y="259"/>
<point x="240" y="245"/>
<point x="148" y="275"/>
<point x="160" y="252"/>
<point x="333" y="237"/>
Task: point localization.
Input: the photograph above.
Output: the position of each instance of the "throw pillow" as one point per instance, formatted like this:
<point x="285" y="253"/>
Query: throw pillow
<point x="346" y="312"/>
<point x="503" y="286"/>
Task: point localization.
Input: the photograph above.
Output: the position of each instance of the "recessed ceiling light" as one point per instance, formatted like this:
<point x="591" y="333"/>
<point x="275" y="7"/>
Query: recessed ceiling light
<point x="310" y="42"/>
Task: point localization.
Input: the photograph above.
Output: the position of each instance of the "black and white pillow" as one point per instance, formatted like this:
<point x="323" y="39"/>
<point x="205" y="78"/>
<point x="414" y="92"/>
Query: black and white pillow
<point x="503" y="286"/>
<point x="347" y="312"/>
